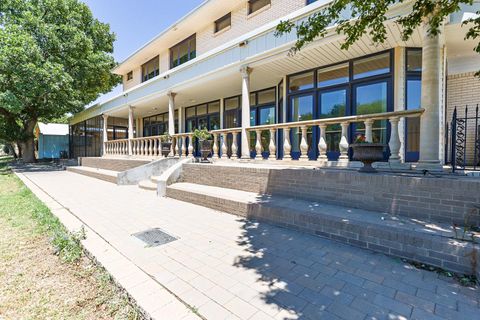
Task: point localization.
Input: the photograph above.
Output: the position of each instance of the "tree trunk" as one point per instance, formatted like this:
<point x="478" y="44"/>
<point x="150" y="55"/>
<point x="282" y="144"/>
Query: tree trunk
<point x="28" y="145"/>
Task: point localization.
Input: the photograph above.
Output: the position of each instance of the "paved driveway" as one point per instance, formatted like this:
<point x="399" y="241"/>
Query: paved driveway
<point x="223" y="267"/>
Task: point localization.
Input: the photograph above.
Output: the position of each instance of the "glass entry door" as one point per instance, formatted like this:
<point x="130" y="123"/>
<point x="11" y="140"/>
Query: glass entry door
<point x="369" y="98"/>
<point x="331" y="104"/>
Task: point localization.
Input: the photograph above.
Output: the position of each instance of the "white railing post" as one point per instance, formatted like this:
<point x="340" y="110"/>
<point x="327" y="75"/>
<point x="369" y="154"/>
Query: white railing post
<point x="368" y="130"/>
<point x="234" y="146"/>
<point x="394" y="142"/>
<point x="286" y="144"/>
<point x="224" y="146"/>
<point x="322" y="144"/>
<point x="184" y="149"/>
<point x="258" y="145"/>
<point x="272" y="147"/>
<point x="175" y="143"/>
<point x="190" y="145"/>
<point x="344" y="143"/>
<point x="304" y="144"/>
<point x="215" y="146"/>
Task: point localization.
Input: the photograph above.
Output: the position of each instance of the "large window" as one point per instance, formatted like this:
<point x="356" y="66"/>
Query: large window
<point x="203" y="116"/>
<point x="150" y="69"/>
<point x="86" y="138"/>
<point x="232" y="112"/>
<point x="359" y="86"/>
<point x="413" y="95"/>
<point x="223" y="23"/>
<point x="183" y="52"/>
<point x="255" y="5"/>
<point x="157" y="125"/>
<point x="262" y="111"/>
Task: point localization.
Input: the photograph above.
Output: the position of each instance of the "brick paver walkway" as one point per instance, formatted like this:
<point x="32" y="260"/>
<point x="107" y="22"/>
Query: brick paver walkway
<point x="224" y="267"/>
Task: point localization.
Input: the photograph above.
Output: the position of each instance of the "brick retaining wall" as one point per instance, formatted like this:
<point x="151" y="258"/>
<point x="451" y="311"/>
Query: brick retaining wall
<point x="433" y="199"/>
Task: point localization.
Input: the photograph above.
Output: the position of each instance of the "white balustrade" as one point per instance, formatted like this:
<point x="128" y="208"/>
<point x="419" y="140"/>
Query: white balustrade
<point x="223" y="146"/>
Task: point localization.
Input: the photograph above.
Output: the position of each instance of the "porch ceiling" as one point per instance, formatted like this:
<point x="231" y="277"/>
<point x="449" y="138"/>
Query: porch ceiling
<point x="268" y="71"/>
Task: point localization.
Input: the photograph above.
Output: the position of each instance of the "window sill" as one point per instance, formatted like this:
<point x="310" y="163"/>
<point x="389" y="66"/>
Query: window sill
<point x="215" y="34"/>
<point x="253" y="14"/>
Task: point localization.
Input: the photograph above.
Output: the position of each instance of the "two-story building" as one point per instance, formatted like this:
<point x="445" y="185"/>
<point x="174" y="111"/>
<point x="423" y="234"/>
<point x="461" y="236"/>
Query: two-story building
<point x="221" y="67"/>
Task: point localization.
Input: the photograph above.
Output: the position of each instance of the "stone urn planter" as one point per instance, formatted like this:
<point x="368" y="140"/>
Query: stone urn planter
<point x="166" y="147"/>
<point x="203" y="137"/>
<point x="368" y="153"/>
<point x="205" y="149"/>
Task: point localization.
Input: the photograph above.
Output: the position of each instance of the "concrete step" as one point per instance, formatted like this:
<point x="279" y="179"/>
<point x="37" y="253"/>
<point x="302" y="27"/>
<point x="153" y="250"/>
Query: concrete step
<point x="381" y="232"/>
<point x="102" y="174"/>
<point x="113" y="164"/>
<point x="148" y="185"/>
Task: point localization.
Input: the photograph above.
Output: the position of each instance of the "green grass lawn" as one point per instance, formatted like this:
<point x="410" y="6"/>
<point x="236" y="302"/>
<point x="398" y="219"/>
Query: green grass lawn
<point x="43" y="272"/>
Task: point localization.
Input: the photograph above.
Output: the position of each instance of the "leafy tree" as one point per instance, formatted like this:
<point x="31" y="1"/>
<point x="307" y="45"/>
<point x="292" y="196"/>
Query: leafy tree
<point x="55" y="58"/>
<point x="369" y="17"/>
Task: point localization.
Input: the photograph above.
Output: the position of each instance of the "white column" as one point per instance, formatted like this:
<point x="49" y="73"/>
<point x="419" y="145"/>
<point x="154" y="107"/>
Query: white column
<point x="105" y="133"/>
<point x="222" y="110"/>
<point x="181" y="122"/>
<point x="245" y="71"/>
<point x="430" y="120"/>
<point x="130" y="129"/>
<point x="171" y="113"/>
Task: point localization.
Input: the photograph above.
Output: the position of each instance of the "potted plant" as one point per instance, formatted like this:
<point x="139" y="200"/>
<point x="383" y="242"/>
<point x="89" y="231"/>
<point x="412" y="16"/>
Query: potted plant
<point x="205" y="144"/>
<point x="367" y="153"/>
<point x="166" y="141"/>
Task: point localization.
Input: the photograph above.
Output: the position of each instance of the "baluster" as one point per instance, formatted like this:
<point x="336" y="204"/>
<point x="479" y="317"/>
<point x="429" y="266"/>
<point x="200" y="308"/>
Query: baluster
<point x="224" y="146"/>
<point x="234" y="146"/>
<point x="157" y="147"/>
<point x="172" y="150"/>
<point x="304" y="144"/>
<point x="322" y="144"/>
<point x="272" y="146"/>
<point x="176" y="141"/>
<point x="115" y="148"/>
<point x="184" y="149"/>
<point x="368" y="130"/>
<point x="286" y="144"/>
<point x="343" y="145"/>
<point x="258" y="144"/>
<point x="394" y="141"/>
<point x="190" y="145"/>
<point x="137" y="144"/>
<point x="150" y="147"/>
<point x="125" y="147"/>
<point x="215" y="146"/>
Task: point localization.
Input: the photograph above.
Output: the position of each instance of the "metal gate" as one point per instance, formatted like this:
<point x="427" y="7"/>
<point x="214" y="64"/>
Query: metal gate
<point x="464" y="144"/>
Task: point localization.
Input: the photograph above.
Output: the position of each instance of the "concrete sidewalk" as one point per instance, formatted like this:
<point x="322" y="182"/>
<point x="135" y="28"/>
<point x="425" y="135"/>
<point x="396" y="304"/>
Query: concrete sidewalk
<point x="223" y="267"/>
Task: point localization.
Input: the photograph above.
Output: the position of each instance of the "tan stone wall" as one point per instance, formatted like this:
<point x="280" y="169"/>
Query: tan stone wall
<point x="464" y="90"/>
<point x="242" y="23"/>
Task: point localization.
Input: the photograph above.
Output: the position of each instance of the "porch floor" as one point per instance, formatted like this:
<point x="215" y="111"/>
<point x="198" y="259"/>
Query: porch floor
<point x="225" y="267"/>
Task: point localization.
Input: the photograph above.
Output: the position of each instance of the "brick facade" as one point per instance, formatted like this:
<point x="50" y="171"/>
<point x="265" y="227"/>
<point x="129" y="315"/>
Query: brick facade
<point x="243" y="23"/>
<point x="464" y="90"/>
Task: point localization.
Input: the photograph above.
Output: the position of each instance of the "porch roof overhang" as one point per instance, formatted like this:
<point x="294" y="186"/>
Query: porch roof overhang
<point x="215" y="74"/>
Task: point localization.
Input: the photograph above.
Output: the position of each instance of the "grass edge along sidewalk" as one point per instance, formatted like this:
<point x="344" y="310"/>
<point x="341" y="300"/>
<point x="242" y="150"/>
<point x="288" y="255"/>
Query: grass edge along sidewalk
<point x="46" y="273"/>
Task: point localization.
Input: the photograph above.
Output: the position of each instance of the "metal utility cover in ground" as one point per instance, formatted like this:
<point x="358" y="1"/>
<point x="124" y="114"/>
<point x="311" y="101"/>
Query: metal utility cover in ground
<point x="154" y="237"/>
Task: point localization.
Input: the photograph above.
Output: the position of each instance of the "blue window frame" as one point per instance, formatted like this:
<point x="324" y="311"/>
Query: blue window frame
<point x="360" y="86"/>
<point x="263" y="105"/>
<point x="413" y="95"/>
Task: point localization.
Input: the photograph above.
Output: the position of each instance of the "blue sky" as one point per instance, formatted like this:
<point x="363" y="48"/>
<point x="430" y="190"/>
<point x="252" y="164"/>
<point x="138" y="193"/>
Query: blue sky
<point x="137" y="21"/>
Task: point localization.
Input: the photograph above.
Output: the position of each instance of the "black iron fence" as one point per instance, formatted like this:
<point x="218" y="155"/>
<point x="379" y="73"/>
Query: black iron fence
<point x="463" y="147"/>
